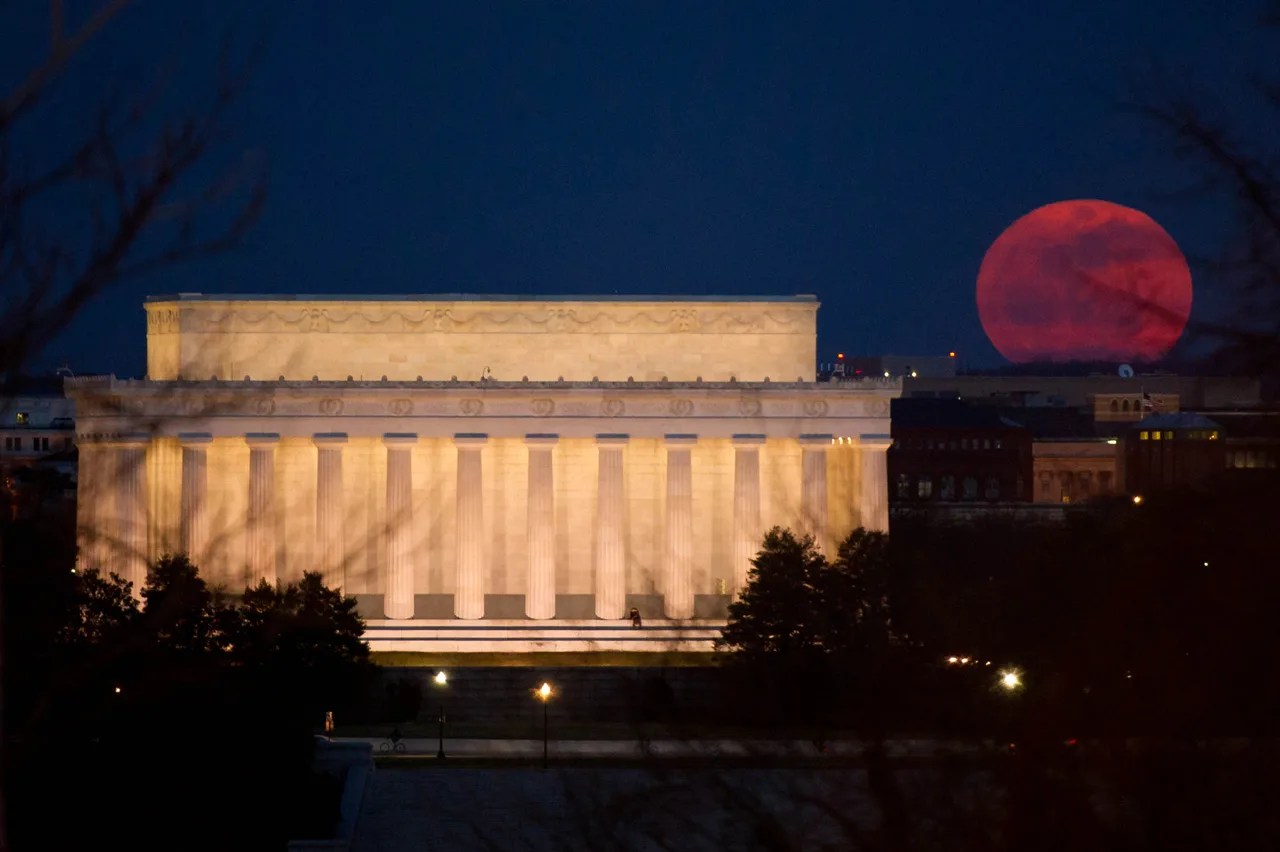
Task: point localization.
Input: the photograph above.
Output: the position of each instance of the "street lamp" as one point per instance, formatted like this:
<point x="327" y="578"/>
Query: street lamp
<point x="544" y="695"/>
<point x="441" y="681"/>
<point x="1010" y="680"/>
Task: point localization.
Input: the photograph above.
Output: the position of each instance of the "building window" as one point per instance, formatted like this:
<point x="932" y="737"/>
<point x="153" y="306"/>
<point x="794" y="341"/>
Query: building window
<point x="1115" y="405"/>
<point x="1155" y="436"/>
<point x="42" y="444"/>
<point x="1213" y="436"/>
<point x="1143" y="436"/>
<point x="971" y="488"/>
<point x="1124" y="406"/>
<point x="1168" y="436"/>
<point x="924" y="487"/>
<point x="997" y="443"/>
<point x="993" y="488"/>
<point x="23" y="418"/>
<point x="948" y="489"/>
<point x="904" y="486"/>
<point x="14" y="444"/>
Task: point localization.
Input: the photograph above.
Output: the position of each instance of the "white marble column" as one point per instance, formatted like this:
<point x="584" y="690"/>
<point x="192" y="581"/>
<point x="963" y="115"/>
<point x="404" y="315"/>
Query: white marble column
<point x="88" y="514"/>
<point x="260" y="548"/>
<point x="611" y="566"/>
<point x="397" y="590"/>
<point x="469" y="587"/>
<point x="330" y="524"/>
<point x="873" y="497"/>
<point x="129" y="542"/>
<point x="678" y="555"/>
<point x="194" y="524"/>
<point x="540" y="529"/>
<point x="746" y="506"/>
<point x="813" y="487"/>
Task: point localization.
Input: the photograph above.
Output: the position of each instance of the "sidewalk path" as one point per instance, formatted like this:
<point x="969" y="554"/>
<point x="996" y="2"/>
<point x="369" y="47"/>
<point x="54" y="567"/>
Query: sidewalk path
<point x="632" y="749"/>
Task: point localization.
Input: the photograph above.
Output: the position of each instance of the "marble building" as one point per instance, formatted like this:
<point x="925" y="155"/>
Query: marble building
<point x="481" y="472"/>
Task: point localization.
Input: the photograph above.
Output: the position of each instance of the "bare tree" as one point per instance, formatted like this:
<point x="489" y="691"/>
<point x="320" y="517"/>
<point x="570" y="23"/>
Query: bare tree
<point x="135" y="188"/>
<point x="1229" y="160"/>
<point x="140" y="189"/>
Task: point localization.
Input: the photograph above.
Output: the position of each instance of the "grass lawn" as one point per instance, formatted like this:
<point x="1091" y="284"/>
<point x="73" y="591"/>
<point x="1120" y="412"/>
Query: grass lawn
<point x="658" y="659"/>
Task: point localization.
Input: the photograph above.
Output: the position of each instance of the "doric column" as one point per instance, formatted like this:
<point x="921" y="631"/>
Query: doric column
<point x="260" y="549"/>
<point x="611" y="566"/>
<point x="468" y="597"/>
<point x="397" y="590"/>
<point x="873" y="497"/>
<point x="129" y="542"/>
<point x="88" y="514"/>
<point x="813" y="487"/>
<point x="540" y="529"/>
<point x="746" y="506"/>
<point x="194" y="535"/>
<point x="330" y="526"/>
<point x="678" y="555"/>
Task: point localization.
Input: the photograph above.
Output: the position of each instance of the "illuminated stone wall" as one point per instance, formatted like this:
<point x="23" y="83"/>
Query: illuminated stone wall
<point x="196" y="338"/>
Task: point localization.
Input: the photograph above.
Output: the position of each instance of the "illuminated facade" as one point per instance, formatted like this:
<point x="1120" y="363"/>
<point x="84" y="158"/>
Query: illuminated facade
<point x="481" y="472"/>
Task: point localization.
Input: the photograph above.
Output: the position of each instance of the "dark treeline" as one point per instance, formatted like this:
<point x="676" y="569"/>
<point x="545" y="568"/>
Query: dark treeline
<point x="1129" y="620"/>
<point x="185" y="721"/>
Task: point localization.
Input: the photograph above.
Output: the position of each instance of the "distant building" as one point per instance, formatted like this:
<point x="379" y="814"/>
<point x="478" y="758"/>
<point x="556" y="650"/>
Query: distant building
<point x="37" y="447"/>
<point x="1167" y="450"/>
<point x="946" y="451"/>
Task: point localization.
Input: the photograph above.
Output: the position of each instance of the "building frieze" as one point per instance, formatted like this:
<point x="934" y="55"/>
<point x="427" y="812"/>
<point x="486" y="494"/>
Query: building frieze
<point x="474" y="318"/>
<point x="103" y="396"/>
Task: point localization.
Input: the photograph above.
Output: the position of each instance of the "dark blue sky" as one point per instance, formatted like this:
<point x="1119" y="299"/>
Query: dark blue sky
<point x="867" y="153"/>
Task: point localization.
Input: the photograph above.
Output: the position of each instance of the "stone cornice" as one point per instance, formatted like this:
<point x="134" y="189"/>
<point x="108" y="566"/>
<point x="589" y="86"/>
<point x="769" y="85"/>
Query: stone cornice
<point x="536" y="400"/>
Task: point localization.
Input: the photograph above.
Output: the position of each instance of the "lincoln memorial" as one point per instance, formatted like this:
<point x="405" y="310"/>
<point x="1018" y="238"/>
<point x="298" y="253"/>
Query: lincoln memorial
<point x="480" y="472"/>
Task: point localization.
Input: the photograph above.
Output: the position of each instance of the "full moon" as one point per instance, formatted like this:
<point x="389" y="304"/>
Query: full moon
<point x="1084" y="280"/>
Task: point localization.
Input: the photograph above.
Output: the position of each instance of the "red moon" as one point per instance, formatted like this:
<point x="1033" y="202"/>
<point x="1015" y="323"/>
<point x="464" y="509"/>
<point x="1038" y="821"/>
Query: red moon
<point x="1084" y="280"/>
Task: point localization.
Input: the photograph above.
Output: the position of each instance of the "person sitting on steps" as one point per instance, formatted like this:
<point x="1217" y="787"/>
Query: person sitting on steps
<point x="634" y="615"/>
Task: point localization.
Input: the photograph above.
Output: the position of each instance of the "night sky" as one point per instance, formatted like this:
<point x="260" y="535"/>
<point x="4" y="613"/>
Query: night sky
<point x="866" y="153"/>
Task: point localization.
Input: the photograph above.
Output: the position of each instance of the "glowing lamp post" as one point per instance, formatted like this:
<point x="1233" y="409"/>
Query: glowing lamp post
<point x="441" y="681"/>
<point x="1010" y="680"/>
<point x="544" y="695"/>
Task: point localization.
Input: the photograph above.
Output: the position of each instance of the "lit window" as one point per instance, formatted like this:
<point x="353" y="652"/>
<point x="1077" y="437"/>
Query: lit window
<point x="1142" y="436"/>
<point x="23" y="418"/>
<point x="1213" y="436"/>
<point x="903" y="485"/>
<point x="1168" y="436"/>
<point x="1155" y="436"/>
<point x="924" y="487"/>
<point x="948" y="489"/>
<point x="997" y="443"/>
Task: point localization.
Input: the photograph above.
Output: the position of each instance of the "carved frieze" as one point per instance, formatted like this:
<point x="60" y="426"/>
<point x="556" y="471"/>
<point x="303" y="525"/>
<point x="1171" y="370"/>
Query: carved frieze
<point x="476" y="317"/>
<point x="400" y="407"/>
